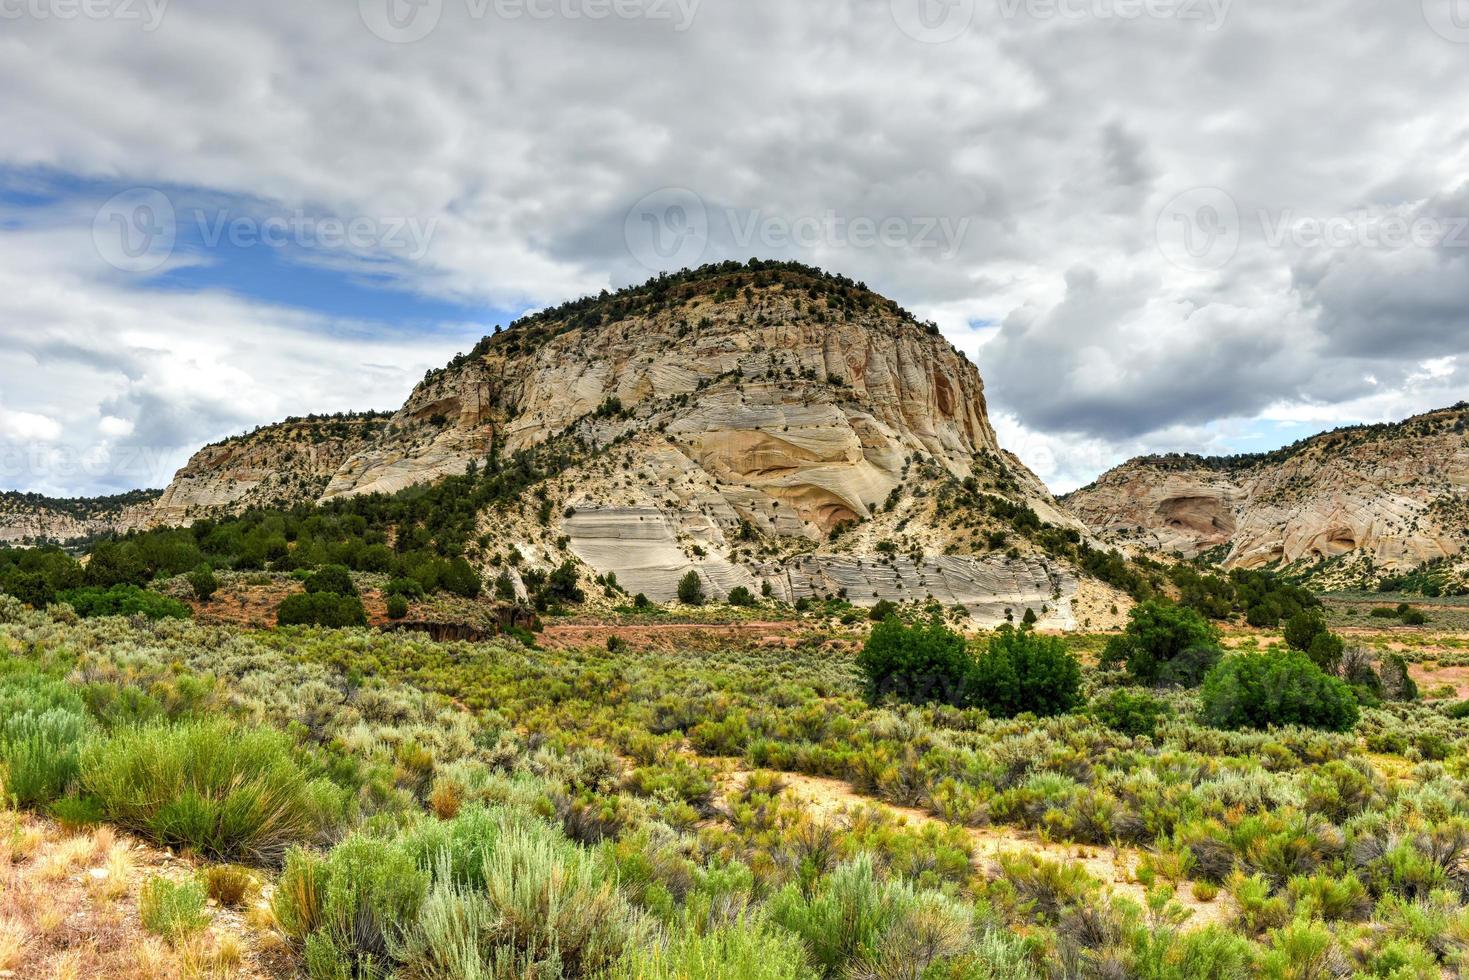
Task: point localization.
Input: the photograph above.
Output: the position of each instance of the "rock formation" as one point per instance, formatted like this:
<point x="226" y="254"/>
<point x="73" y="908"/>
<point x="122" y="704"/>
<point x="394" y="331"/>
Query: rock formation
<point x="1389" y="497"/>
<point x="766" y="426"/>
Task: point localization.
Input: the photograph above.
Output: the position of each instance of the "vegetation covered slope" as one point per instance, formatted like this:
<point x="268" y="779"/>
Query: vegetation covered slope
<point x="448" y="810"/>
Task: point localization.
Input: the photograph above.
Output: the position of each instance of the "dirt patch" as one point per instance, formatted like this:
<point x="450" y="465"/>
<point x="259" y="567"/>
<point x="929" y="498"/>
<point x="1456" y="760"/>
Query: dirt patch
<point x="1430" y="678"/>
<point x="828" y="801"/>
<point x="254" y="606"/>
<point x="69" y="909"/>
<point x="671" y="636"/>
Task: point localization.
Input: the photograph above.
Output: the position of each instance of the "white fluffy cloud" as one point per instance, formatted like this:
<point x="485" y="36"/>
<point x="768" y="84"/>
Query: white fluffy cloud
<point x="1022" y="169"/>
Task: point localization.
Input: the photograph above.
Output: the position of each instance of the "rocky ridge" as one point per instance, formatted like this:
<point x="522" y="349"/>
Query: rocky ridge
<point x="31" y="519"/>
<point x="1381" y="498"/>
<point x="766" y="426"/>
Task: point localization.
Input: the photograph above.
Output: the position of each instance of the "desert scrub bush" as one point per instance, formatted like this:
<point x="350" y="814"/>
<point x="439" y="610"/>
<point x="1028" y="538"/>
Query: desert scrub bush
<point x="1260" y="690"/>
<point x="347" y="910"/>
<point x="914" y="664"/>
<point x="747" y="949"/>
<point x="173" y="910"/>
<point x="555" y="902"/>
<point x="225" y="791"/>
<point x="1131" y="712"/>
<point x="1020" y="672"/>
<point x="1164" y="644"/>
<point x="124" y="600"/>
<point x="42" y="725"/>
<point x="858" y="925"/>
<point x="228" y="884"/>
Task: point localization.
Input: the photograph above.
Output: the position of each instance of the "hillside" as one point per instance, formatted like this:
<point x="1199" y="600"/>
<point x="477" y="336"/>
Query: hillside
<point x="765" y="426"/>
<point x="274" y="466"/>
<point x="1347" y="506"/>
<point x="30" y="518"/>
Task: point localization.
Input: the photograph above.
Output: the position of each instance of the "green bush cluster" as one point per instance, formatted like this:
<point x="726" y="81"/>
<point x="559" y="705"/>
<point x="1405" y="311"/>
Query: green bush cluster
<point x="1259" y="690"/>
<point x="123" y="600"/>
<point x="1164" y="644"/>
<point x="1016" y="672"/>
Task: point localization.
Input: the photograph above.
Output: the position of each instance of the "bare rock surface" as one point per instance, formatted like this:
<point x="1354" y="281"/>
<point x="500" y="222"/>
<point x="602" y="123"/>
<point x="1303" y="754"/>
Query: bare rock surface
<point x="1392" y="495"/>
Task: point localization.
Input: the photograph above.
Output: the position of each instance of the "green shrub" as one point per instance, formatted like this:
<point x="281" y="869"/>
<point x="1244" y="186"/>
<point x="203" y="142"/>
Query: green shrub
<point x="1326" y="651"/>
<point x="124" y="600"/>
<point x="1131" y="712"/>
<point x="226" y="792"/>
<point x="741" y="596"/>
<point x="1021" y="672"/>
<point x="332" y="579"/>
<point x="1258" y="690"/>
<point x="351" y="907"/>
<point x="554" y="901"/>
<point x="204" y="583"/>
<point x="742" y="950"/>
<point x="321" y="609"/>
<point x="1302" y="629"/>
<point x="459" y="578"/>
<point x="173" y="910"/>
<point x="884" y="609"/>
<point x="1164" y="644"/>
<point x="691" y="590"/>
<point x="42" y="725"/>
<point x="914" y="664"/>
<point x="406" y="587"/>
<point x="397" y="607"/>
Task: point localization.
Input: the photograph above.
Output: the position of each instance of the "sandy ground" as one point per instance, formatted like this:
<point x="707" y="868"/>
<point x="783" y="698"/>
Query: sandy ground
<point x="69" y="909"/>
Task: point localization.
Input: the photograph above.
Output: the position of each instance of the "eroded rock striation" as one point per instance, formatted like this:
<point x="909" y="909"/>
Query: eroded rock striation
<point x="1392" y="496"/>
<point x="766" y="426"/>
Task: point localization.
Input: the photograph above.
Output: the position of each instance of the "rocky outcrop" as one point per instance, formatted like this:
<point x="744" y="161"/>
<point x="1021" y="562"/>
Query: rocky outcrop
<point x="736" y="424"/>
<point x="1392" y="494"/>
<point x="768" y="426"/>
<point x="31" y="519"/>
<point x="274" y="466"/>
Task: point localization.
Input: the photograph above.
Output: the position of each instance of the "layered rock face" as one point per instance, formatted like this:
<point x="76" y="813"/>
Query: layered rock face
<point x="769" y="427"/>
<point x="275" y="466"/>
<point x="739" y="410"/>
<point x="30" y="519"/>
<point x="1394" y="494"/>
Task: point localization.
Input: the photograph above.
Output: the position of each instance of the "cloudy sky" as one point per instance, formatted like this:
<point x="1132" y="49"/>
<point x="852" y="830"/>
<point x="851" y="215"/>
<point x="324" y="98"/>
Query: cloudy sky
<point x="1211" y="225"/>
